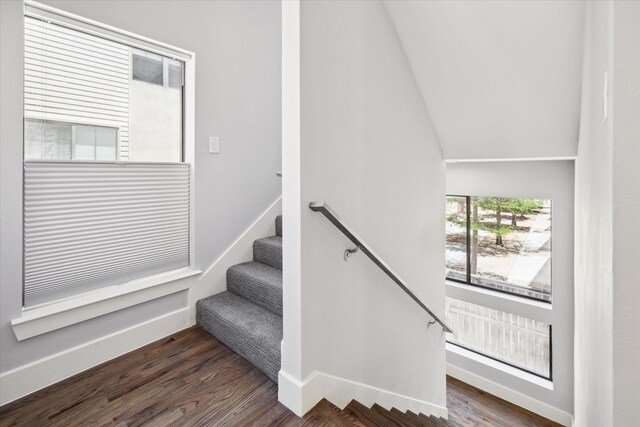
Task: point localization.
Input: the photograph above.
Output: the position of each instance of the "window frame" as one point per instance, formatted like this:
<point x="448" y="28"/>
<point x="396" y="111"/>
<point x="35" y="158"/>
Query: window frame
<point x="549" y="378"/>
<point x="498" y="299"/>
<point x="468" y="281"/>
<point x="75" y="22"/>
<point x="133" y="44"/>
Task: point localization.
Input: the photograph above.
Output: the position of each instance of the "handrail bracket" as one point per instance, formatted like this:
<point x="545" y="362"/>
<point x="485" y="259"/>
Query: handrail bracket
<point x="349" y="252"/>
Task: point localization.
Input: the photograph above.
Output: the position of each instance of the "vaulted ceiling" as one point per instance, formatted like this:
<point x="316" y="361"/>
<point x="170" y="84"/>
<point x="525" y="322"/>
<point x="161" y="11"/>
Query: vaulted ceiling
<point x="501" y="79"/>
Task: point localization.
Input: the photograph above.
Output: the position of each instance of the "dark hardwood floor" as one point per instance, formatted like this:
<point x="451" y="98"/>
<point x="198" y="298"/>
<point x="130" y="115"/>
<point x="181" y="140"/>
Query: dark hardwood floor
<point x="191" y="379"/>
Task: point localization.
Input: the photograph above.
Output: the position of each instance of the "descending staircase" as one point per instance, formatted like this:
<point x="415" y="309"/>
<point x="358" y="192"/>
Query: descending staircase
<point x="356" y="414"/>
<point x="248" y="316"/>
<point x="248" y="319"/>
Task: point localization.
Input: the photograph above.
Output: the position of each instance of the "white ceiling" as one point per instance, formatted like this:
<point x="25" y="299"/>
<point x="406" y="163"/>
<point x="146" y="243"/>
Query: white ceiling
<point x="501" y="79"/>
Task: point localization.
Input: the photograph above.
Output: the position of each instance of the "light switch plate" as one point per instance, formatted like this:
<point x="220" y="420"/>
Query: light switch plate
<point x="214" y="144"/>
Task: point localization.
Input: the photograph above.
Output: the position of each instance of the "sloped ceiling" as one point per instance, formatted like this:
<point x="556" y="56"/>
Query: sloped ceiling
<point x="501" y="79"/>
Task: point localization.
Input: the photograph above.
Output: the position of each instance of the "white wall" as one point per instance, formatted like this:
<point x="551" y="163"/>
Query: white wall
<point x="594" y="245"/>
<point x="607" y="346"/>
<point x="626" y="205"/>
<point x="368" y="149"/>
<point x="11" y="149"/>
<point x="550" y="180"/>
<point x="501" y="79"/>
<point x="238" y="99"/>
<point x="292" y="206"/>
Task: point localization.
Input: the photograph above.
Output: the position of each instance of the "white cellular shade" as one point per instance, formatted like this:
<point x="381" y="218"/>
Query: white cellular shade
<point x="89" y="224"/>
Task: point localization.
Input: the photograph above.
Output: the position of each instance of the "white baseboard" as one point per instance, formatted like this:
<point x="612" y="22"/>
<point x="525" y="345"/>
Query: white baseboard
<point x="34" y="376"/>
<point x="214" y="279"/>
<point x="301" y="396"/>
<point x="510" y="395"/>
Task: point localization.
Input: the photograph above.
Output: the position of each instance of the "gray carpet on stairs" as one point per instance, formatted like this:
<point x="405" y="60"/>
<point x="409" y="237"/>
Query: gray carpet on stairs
<point x="258" y="283"/>
<point x="249" y="330"/>
<point x="268" y="251"/>
<point x="279" y="225"/>
<point x="248" y="316"/>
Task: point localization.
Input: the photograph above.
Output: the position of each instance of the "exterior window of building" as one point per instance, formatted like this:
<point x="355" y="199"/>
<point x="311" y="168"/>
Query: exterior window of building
<point x="94" y="142"/>
<point x="515" y="340"/>
<point x="502" y="244"/>
<point x="47" y="140"/>
<point x="174" y="79"/>
<point x="151" y="68"/>
<point x="147" y="67"/>
<point x="50" y="140"/>
<point x="124" y="103"/>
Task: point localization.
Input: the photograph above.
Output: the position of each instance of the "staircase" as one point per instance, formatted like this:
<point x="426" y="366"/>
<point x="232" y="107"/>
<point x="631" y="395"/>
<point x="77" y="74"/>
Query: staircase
<point x="248" y="316"/>
<point x="248" y="319"/>
<point x="356" y="414"/>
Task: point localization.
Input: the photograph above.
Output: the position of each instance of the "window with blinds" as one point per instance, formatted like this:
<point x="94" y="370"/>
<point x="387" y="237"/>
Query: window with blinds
<point x="106" y="188"/>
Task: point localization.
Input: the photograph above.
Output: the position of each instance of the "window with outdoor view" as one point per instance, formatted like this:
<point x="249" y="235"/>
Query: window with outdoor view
<point x="91" y="98"/>
<point x="499" y="243"/>
<point x="106" y="184"/>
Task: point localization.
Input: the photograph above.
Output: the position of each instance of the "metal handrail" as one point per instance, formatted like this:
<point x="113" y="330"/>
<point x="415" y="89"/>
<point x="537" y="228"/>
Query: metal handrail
<point x="324" y="209"/>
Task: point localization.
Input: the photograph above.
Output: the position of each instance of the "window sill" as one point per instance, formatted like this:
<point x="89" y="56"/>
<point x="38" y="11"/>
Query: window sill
<point x="69" y="311"/>
<point x="494" y="364"/>
<point x="536" y="310"/>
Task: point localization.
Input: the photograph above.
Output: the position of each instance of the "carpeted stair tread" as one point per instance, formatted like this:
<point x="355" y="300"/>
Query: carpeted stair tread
<point x="258" y="283"/>
<point x="279" y="225"/>
<point x="268" y="251"/>
<point x="249" y="330"/>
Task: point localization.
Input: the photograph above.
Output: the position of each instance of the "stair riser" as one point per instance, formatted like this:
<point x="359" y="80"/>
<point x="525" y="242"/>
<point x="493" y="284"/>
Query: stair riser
<point x="267" y="254"/>
<point x="279" y="225"/>
<point x="263" y="356"/>
<point x="253" y="290"/>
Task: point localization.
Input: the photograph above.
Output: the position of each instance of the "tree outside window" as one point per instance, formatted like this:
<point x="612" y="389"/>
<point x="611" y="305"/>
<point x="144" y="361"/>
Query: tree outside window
<point x="500" y="243"/>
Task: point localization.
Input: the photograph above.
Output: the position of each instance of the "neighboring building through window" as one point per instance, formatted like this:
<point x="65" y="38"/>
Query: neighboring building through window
<point x="104" y="90"/>
<point x="155" y="110"/>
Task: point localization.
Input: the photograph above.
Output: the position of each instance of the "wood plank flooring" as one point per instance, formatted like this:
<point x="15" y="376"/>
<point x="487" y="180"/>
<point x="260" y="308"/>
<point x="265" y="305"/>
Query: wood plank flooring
<point x="191" y="379"/>
<point x="469" y="406"/>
